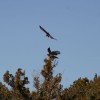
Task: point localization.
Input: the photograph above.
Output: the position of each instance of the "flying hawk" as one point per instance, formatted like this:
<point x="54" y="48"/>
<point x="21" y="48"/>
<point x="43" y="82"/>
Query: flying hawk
<point x="47" y="33"/>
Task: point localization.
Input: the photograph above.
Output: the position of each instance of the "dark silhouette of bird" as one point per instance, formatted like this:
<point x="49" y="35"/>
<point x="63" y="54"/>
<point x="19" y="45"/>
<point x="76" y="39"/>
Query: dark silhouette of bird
<point x="49" y="50"/>
<point x="53" y="52"/>
<point x="47" y="33"/>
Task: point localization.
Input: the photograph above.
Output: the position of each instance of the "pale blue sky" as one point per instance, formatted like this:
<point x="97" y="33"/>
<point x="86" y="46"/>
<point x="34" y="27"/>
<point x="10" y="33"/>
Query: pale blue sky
<point x="75" y="23"/>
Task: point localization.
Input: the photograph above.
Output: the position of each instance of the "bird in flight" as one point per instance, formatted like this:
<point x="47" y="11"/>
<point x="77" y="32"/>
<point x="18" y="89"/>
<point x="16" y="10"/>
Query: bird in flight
<point x="47" y="33"/>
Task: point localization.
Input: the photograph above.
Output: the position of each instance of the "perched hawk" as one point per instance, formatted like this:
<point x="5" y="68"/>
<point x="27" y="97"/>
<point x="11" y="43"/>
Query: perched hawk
<point x="47" y="33"/>
<point x="53" y="52"/>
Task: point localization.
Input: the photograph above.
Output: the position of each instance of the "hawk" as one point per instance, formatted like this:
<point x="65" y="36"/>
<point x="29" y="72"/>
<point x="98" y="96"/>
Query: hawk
<point x="47" y="33"/>
<point x="53" y="52"/>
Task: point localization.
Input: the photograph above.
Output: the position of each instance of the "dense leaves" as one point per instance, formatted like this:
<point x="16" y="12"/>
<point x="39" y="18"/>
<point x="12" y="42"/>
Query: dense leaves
<point x="50" y="87"/>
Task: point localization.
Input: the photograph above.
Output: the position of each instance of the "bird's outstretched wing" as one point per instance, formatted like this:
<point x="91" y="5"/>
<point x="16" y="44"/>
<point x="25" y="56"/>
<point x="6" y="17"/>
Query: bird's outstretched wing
<point x="47" y="33"/>
<point x="44" y="30"/>
<point x="52" y="37"/>
<point x="55" y="52"/>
